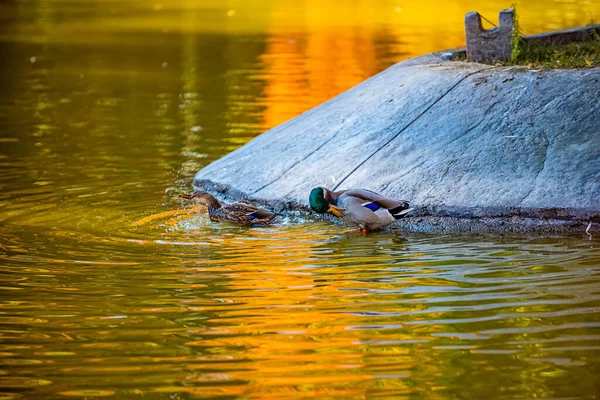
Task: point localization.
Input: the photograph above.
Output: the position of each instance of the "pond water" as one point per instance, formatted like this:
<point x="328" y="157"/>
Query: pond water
<point x="112" y="287"/>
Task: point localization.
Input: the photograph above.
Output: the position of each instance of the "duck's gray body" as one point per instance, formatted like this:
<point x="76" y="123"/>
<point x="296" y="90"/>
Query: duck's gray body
<point x="368" y="210"/>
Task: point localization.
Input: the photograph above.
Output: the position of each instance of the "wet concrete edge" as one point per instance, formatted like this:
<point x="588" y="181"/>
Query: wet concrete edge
<point x="452" y="219"/>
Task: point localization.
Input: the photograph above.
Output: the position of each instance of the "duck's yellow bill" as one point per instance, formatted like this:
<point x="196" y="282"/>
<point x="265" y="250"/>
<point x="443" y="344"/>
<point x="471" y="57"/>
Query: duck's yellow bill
<point x="335" y="210"/>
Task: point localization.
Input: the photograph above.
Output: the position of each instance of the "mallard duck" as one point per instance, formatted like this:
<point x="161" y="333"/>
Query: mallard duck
<point x="241" y="213"/>
<point x="359" y="207"/>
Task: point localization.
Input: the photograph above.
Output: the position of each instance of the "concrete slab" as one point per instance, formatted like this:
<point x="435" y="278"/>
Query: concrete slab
<point x="455" y="139"/>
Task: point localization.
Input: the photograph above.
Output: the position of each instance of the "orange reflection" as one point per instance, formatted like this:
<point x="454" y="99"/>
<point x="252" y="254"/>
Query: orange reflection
<point x="344" y="43"/>
<point x="286" y="325"/>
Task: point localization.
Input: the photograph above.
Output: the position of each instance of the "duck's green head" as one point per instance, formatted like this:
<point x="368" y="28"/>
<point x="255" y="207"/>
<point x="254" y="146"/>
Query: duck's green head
<point x="317" y="200"/>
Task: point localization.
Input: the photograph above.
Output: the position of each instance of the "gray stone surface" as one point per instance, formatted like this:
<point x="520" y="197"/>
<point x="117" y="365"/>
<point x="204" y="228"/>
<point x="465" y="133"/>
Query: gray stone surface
<point x="458" y="140"/>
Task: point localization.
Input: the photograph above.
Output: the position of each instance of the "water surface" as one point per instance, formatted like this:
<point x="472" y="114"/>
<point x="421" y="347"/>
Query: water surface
<point x="112" y="287"/>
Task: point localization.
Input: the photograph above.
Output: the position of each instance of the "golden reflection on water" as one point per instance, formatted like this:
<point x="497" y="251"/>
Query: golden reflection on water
<point x="310" y="50"/>
<point x="111" y="287"/>
<point x="178" y="305"/>
<point x="347" y="44"/>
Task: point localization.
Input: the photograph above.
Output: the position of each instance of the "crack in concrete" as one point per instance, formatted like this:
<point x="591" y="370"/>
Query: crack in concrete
<point x="481" y="121"/>
<point x="409" y="124"/>
<point x="475" y="126"/>
<point x="419" y="165"/>
<point x="542" y="166"/>
<point x="296" y="163"/>
<point x="511" y="111"/>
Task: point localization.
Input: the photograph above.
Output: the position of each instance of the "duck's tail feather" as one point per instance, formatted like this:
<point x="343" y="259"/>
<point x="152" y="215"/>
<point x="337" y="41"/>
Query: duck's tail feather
<point x="402" y="213"/>
<point x="401" y="210"/>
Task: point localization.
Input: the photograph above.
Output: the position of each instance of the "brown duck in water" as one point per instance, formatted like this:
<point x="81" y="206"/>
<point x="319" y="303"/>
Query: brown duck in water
<point x="241" y="213"/>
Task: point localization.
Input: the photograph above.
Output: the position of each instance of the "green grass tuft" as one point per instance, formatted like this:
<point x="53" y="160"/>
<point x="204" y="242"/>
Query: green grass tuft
<point x="516" y="37"/>
<point x="550" y="55"/>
